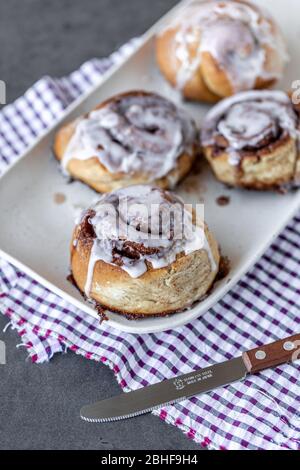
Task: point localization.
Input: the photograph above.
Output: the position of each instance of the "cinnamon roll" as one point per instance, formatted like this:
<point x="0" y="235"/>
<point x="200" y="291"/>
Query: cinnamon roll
<point x="132" y="138"/>
<point x="141" y="251"/>
<point x="212" y="49"/>
<point x="252" y="140"/>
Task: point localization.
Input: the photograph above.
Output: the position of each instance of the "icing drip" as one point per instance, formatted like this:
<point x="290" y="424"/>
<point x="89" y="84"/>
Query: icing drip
<point x="248" y="121"/>
<point x="140" y="225"/>
<point x="235" y="34"/>
<point x="133" y="133"/>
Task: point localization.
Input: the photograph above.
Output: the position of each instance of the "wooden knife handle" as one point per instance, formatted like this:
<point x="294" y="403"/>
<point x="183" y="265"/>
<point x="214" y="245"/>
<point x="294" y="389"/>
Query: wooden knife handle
<point x="280" y="352"/>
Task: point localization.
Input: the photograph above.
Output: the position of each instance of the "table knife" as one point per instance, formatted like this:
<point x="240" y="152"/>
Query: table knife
<point x="167" y="392"/>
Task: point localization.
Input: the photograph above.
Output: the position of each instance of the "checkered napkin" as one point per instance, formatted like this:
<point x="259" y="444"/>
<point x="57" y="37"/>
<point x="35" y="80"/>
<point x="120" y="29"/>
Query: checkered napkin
<point x="259" y="413"/>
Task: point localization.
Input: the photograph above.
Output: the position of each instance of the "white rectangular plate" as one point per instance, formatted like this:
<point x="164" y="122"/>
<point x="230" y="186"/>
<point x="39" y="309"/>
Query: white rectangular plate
<point x="35" y="231"/>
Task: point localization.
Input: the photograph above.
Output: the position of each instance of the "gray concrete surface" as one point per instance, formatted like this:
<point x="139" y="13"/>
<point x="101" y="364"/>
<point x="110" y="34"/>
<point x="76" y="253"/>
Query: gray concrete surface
<point x="39" y="404"/>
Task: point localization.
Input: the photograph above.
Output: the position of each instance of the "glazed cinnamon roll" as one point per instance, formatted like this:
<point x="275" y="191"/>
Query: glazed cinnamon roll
<point x="140" y="251"/>
<point x="212" y="49"/>
<point x="132" y="138"/>
<point x="252" y="140"/>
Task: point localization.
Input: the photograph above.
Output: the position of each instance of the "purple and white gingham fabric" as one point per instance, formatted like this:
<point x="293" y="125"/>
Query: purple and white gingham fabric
<point x="262" y="412"/>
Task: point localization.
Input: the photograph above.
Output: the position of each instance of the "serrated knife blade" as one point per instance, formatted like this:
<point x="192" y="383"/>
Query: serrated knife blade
<point x="167" y="392"/>
<point x="178" y="388"/>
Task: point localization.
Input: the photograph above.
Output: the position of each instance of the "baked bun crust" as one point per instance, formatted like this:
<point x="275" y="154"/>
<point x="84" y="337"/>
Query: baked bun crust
<point x="213" y="49"/>
<point x="251" y="140"/>
<point x="143" y="277"/>
<point x="132" y="138"/>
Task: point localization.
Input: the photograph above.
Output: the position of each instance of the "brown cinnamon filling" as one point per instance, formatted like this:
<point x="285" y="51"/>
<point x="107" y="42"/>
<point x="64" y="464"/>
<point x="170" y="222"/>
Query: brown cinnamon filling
<point x="86" y="230"/>
<point x="131" y="250"/>
<point x="265" y="145"/>
<point x="134" y="250"/>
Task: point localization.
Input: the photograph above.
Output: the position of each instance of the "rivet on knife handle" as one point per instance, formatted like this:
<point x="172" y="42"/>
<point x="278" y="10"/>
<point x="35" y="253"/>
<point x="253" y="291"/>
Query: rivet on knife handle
<point x="274" y="354"/>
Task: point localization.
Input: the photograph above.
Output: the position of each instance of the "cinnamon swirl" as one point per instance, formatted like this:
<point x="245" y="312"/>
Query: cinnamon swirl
<point x="140" y="251"/>
<point x="212" y="49"/>
<point x="252" y="140"/>
<point x="132" y="138"/>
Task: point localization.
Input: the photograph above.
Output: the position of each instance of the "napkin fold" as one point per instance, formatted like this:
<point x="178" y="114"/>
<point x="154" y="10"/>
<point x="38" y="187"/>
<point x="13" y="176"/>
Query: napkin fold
<point x="263" y="412"/>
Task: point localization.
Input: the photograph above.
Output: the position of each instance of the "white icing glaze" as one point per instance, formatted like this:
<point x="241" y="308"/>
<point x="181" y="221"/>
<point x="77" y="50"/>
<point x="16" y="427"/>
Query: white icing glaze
<point x="133" y="133"/>
<point x="246" y="119"/>
<point x="235" y="34"/>
<point x="123" y="220"/>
